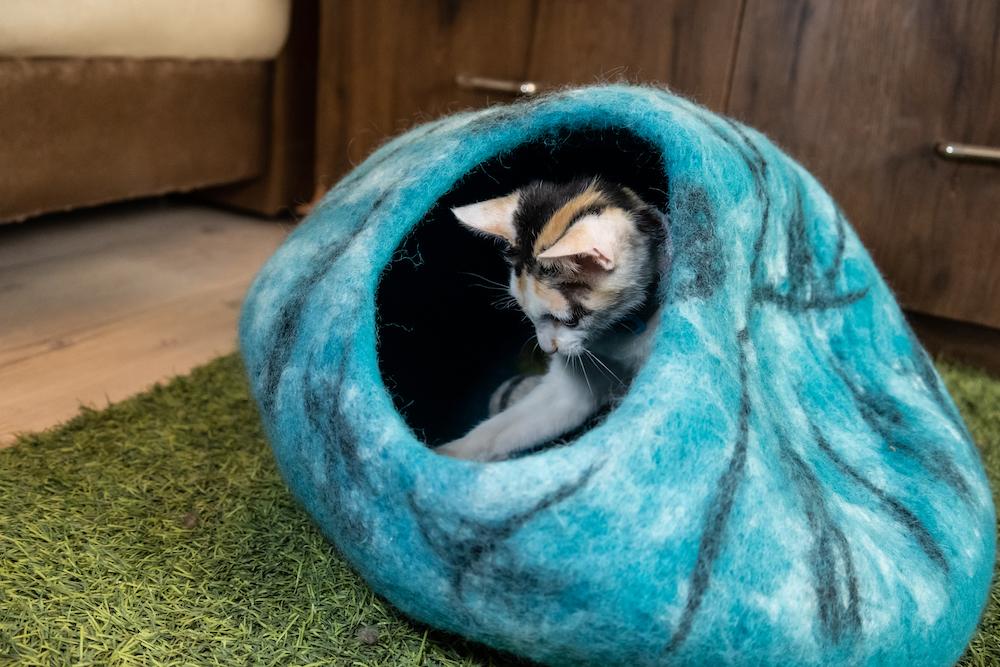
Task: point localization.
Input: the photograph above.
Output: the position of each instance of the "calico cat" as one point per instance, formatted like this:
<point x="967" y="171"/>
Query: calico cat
<point x="585" y="264"/>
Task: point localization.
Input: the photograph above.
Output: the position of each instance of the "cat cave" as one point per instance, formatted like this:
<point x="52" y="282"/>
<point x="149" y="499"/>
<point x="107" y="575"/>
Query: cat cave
<point x="786" y="480"/>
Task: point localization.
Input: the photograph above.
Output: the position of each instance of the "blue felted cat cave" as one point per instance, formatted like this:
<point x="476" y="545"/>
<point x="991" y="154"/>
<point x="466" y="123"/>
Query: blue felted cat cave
<point x="785" y="482"/>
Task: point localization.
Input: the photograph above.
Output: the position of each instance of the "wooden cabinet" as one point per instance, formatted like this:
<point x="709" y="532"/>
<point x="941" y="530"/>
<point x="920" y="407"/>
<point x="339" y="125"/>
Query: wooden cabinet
<point x="859" y="91"/>
<point x="385" y="65"/>
<point x="685" y="44"/>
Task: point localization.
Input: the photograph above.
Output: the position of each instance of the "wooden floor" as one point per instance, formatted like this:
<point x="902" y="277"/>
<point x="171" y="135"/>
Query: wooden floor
<point x="97" y="306"/>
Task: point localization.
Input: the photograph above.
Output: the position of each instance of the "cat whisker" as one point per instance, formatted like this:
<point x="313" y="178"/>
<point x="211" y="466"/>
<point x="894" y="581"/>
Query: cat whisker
<point x="603" y="365"/>
<point x="486" y="280"/>
<point x="599" y="369"/>
<point x="505" y="303"/>
<point x="489" y="287"/>
<point x="584" y="371"/>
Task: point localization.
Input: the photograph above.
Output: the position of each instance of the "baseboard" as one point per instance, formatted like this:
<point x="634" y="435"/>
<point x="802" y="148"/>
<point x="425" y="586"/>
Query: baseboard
<point x="962" y="341"/>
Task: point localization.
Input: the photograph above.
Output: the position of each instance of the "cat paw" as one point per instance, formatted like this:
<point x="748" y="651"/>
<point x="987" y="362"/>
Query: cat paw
<point x="471" y="449"/>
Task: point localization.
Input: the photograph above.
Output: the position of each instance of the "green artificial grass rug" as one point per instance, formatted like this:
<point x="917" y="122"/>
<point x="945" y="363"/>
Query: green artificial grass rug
<point x="158" y="531"/>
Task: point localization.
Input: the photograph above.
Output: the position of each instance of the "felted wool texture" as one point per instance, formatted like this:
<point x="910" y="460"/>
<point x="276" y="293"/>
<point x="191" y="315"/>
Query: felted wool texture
<point x="787" y="480"/>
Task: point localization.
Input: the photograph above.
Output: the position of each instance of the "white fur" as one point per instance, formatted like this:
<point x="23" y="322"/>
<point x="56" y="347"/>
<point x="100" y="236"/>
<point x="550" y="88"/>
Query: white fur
<point x="494" y="217"/>
<point x="558" y="404"/>
<point x="572" y="390"/>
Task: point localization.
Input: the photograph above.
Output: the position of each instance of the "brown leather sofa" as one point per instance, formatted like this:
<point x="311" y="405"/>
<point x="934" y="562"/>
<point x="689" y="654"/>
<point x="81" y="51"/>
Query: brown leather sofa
<point x="150" y="105"/>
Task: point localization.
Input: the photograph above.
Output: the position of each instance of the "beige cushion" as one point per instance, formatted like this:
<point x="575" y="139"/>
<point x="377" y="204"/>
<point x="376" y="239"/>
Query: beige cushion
<point x="225" y="29"/>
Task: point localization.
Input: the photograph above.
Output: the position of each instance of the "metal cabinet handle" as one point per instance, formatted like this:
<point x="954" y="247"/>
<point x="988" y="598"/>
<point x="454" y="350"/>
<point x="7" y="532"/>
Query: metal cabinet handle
<point x="483" y="83"/>
<point x="954" y="151"/>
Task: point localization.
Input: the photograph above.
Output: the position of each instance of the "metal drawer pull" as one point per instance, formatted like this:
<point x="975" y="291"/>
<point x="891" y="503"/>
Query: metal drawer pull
<point x="496" y="85"/>
<point x="953" y="151"/>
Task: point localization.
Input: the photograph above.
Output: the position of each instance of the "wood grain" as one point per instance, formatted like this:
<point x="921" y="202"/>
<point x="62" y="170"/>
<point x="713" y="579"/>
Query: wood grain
<point x="387" y="64"/>
<point x="859" y="91"/>
<point x="100" y="305"/>
<point x="688" y="45"/>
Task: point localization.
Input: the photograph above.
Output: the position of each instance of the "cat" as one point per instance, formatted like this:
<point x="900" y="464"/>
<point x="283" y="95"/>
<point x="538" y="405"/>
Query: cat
<point x="586" y="259"/>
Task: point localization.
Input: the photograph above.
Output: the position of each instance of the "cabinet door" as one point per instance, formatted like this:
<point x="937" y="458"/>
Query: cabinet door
<point x="385" y="65"/>
<point x="859" y="91"/>
<point x="686" y="44"/>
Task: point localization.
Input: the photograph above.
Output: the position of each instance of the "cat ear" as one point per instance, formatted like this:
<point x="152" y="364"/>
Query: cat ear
<point x="596" y="237"/>
<point x="493" y="216"/>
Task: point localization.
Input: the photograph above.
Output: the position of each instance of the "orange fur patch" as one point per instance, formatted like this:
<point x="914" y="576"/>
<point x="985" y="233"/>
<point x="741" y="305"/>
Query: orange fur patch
<point x="553" y="299"/>
<point x="556" y="226"/>
<point x="598" y="299"/>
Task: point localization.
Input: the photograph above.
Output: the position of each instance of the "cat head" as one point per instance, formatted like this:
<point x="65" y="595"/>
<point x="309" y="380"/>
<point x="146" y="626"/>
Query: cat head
<point x="583" y="256"/>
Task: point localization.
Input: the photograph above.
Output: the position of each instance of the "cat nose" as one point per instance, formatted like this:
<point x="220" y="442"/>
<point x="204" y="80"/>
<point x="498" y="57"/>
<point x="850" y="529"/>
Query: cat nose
<point x="548" y="345"/>
<point x="555" y="345"/>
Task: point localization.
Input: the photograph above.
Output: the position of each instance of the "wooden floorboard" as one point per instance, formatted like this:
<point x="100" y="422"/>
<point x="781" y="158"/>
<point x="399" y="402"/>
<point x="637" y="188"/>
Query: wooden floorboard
<point x="97" y="306"/>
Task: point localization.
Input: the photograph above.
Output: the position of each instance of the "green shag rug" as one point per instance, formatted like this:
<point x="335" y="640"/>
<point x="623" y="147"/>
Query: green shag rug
<point x="157" y="531"/>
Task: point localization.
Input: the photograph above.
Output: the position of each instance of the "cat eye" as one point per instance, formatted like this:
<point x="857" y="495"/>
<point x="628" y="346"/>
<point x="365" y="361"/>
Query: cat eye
<point x="571" y="323"/>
